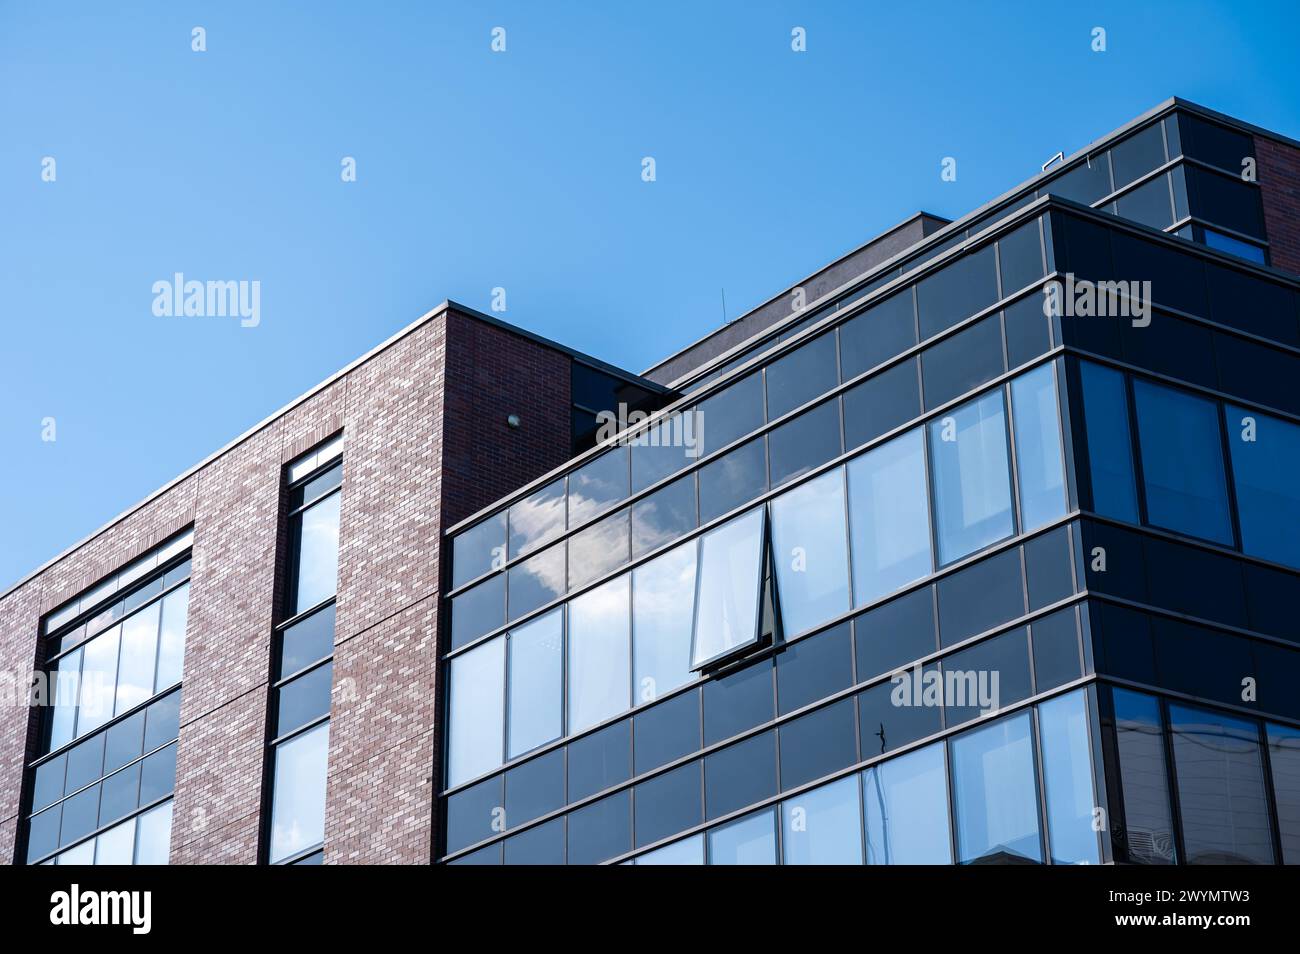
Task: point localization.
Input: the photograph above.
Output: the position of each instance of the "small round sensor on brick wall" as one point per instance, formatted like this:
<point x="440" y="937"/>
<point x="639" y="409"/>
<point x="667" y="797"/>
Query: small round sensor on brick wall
<point x="512" y="420"/>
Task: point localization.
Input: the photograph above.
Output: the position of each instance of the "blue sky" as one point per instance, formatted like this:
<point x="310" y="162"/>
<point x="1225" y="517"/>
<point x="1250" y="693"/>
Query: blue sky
<point x="478" y="169"/>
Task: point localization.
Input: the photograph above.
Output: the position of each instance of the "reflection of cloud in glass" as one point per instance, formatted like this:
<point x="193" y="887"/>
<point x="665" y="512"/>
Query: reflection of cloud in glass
<point x="545" y="571"/>
<point x="536" y="519"/>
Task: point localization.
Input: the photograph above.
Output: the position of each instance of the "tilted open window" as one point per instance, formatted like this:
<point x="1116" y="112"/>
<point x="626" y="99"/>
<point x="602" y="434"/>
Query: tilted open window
<point x="729" y="590"/>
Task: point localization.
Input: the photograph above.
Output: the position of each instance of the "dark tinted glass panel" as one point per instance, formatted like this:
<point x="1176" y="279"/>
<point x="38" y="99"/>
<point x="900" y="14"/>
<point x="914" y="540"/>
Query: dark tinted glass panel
<point x="48" y="786"/>
<point x="907" y="708"/>
<point x="1056" y="650"/>
<point x="808" y="441"/>
<point x="1272" y="596"/>
<point x="80" y="815"/>
<point x="1087" y="250"/>
<point x="1257" y="373"/>
<point x="1177" y="279"/>
<point x="895" y="633"/>
<point x="598" y="486"/>
<point x="814" y="668"/>
<point x="601" y="830"/>
<point x="668" y="803"/>
<point x="312" y="639"/>
<point x="600" y="760"/>
<point x="796" y="378"/>
<point x="86" y="763"/>
<point x="535" y="582"/>
<point x="957" y="291"/>
<point x="881" y="403"/>
<point x="478" y="611"/>
<point x="731" y="413"/>
<point x="1110" y="448"/>
<point x="817" y="744"/>
<point x="1125" y="648"/>
<point x="986" y="677"/>
<point x="537" y="518"/>
<point x="1221" y="795"/>
<point x="663" y="516"/>
<point x="1265" y="464"/>
<point x="873" y="337"/>
<point x="1225" y="201"/>
<point x="472" y="813"/>
<point x="1215" y="144"/>
<point x="741" y="774"/>
<point x="1047" y="565"/>
<point x="599" y="549"/>
<point x="119" y="793"/>
<point x="162" y="721"/>
<point x="1284" y="761"/>
<point x="1085" y="183"/>
<point x="124" y="742"/>
<point x="1149" y="204"/>
<point x="737" y="477"/>
<point x="1027" y="328"/>
<point x="666" y="448"/>
<point x="479" y="549"/>
<point x="543" y="845"/>
<point x="1020" y="256"/>
<point x="980" y="597"/>
<point x="737" y="702"/>
<point x="158" y="775"/>
<point x="963" y="362"/>
<point x="491" y="855"/>
<point x="304" y="699"/>
<point x="1194" y="581"/>
<point x="666" y="732"/>
<point x="1200" y="662"/>
<point x="1138" y="155"/>
<point x="535" y="788"/>
<point x="1243" y="301"/>
<point x="43" y="833"/>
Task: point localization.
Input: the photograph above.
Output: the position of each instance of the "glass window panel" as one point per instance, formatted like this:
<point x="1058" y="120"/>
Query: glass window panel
<point x="663" y="600"/>
<point x="738" y="701"/>
<point x="1138" y="155"/>
<point x="537" y="581"/>
<point x="473" y="814"/>
<point x="906" y="708"/>
<point x="599" y="654"/>
<point x="535" y="788"/>
<point x="1148" y="204"/>
<point x="479" y="549"/>
<point x="158" y="775"/>
<point x="65" y="689"/>
<point x="543" y="845"/>
<point x="477" y="711"/>
<point x="491" y="855"/>
<point x="1182" y="462"/>
<point x="1265" y="461"/>
<point x="48" y="784"/>
<point x="98" y="680"/>
<point x="139" y="653"/>
<point x="599" y="549"/>
<point x="906" y="805"/>
<point x="317" y="549"/>
<point x="305" y="642"/>
<point x="668" y="803"/>
<point x="83" y="854"/>
<point x="298" y="802"/>
<point x="154" y="835"/>
<point x="1039" y="464"/>
<point x="1226" y="200"/>
<point x="663" y="516"/>
<point x="143" y="595"/>
<point x="304" y="699"/>
<point x="740" y="774"/>
<point x="962" y="362"/>
<point x="972" y="481"/>
<point x="1028" y="329"/>
<point x="814" y="668"/>
<point x="43" y="833"/>
<point x="667" y="732"/>
<point x="1067" y="779"/>
<point x="816" y="744"/>
<point x="796" y="378"/>
<point x="1020" y="256"/>
<point x="478" y="611"/>
<point x="980" y="597"/>
<point x="1056" y="650"/>
<point x="1284" y="761"/>
<point x="881" y="403"/>
<point x="1110" y="449"/>
<point x="162" y="721"/>
<point x="731" y="413"/>
<point x="688" y="851"/>
<point x="1148" y="821"/>
<point x="807" y="442"/>
<point x="119" y="795"/>
<point x="598" y="486"/>
<point x="1086" y="182"/>
<point x="536" y="683"/>
<point x="1233" y="246"/>
<point x="738" y="477"/>
<point x="600" y="760"/>
<point x="746" y="841"/>
<point x="994" y="793"/>
<point x="665" y="448"/>
<point x="884" y="330"/>
<point x="171" y="638"/>
<point x="895" y="633"/>
<point x="726" y="612"/>
<point x="117" y="845"/>
<point x="986" y="677"/>
<point x="1048" y="568"/>
<point x="823" y="826"/>
<point x="601" y="830"/>
<point x="85" y="763"/>
<point x="80" y="815"/>
<point x="957" y="291"/>
<point x="1222" y="800"/>
<point x="890" y="517"/>
<point x="537" y="518"/>
<point x="811" y="552"/>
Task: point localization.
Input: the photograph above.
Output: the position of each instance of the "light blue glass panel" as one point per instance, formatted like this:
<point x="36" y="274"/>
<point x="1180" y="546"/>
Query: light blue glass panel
<point x="663" y="601"/>
<point x="1038" y="447"/>
<point x="972" y="479"/>
<point x="731" y="565"/>
<point x="536" y="683"/>
<point x="994" y="793"/>
<point x="810" y="549"/>
<point x="905" y="800"/>
<point x="889" y="513"/>
<point x="298" y="804"/>
<point x="477" y="713"/>
<point x="1068" y="779"/>
<point x="318" y="554"/>
<point x="746" y="841"/>
<point x="688" y="851"/>
<point x="823" y="826"/>
<point x="599" y="653"/>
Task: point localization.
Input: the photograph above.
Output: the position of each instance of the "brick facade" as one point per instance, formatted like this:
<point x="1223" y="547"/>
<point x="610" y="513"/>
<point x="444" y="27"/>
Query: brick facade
<point x="1279" y="181"/>
<point x="426" y="445"/>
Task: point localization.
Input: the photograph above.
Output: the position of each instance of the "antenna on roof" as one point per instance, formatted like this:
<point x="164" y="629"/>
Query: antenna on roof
<point x="1059" y="157"/>
<point x="724" y="306"/>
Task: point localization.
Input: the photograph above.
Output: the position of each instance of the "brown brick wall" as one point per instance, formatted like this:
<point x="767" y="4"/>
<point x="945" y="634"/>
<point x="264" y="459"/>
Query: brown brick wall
<point x="426" y="445"/>
<point x="1279" y="181"/>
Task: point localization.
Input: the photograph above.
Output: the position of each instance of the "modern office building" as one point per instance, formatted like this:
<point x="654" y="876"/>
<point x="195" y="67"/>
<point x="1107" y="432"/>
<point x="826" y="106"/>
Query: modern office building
<point x="980" y="545"/>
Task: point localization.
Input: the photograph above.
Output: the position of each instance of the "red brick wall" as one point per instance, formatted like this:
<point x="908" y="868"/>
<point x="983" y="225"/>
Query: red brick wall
<point x="1279" y="181"/>
<point x="426" y="445"/>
